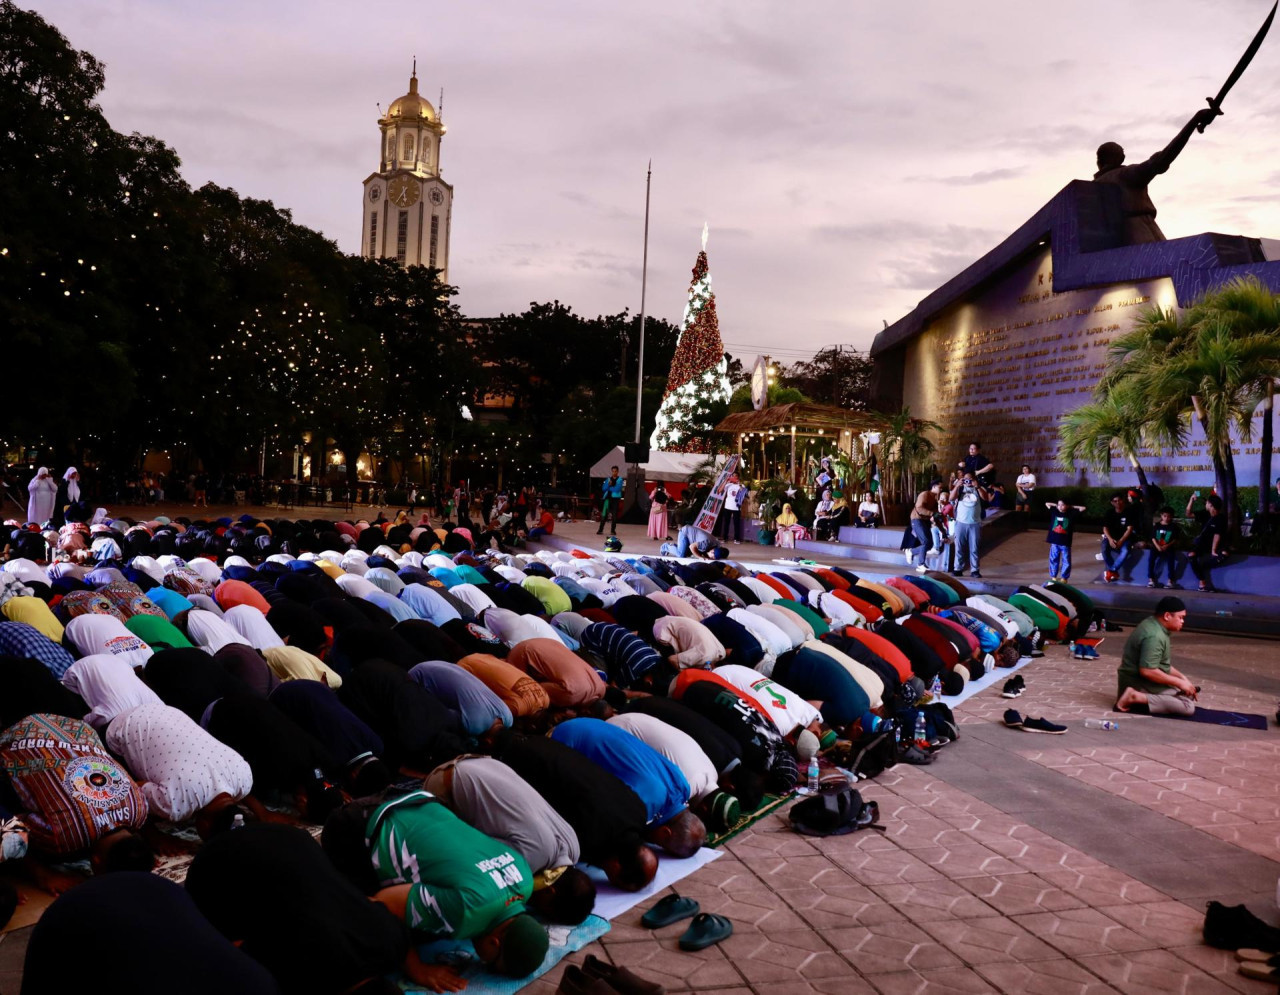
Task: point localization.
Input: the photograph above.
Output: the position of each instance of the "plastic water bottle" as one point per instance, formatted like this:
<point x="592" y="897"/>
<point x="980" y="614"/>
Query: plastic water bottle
<point x="1223" y="614"/>
<point x="935" y="688"/>
<point x="811" y="778"/>
<point x="921" y="737"/>
<point x="1106" y="724"/>
<point x="238" y="821"/>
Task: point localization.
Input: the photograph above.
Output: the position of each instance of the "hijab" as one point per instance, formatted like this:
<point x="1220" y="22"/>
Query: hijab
<point x="73" y="485"/>
<point x="788" y="517"/>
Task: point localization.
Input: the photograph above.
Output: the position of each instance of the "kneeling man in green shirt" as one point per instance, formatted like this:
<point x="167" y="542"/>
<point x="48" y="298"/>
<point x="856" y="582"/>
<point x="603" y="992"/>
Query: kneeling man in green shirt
<point x="445" y="879"/>
<point x="1147" y="676"/>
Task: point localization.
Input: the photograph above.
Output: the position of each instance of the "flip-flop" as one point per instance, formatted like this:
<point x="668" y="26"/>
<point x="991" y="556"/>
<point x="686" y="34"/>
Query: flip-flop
<point x="671" y="908"/>
<point x="706" y="929"/>
<point x="1257" y="955"/>
<point x="1259" y="969"/>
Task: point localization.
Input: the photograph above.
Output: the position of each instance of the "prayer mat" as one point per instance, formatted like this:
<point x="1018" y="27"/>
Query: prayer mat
<point x="33" y="903"/>
<point x="461" y="955"/>
<point x="771" y="803"/>
<point x="996" y="675"/>
<point x="611" y="902"/>
<point x="1213" y="716"/>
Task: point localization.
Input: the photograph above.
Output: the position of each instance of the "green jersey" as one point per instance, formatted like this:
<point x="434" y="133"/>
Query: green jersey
<point x="465" y="882"/>
<point x="1147" y="648"/>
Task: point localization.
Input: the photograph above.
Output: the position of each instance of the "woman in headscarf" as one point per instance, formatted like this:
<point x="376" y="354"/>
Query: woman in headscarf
<point x="42" y="491"/>
<point x="658" y="513"/>
<point x="786" y="519"/>
<point x="66" y="505"/>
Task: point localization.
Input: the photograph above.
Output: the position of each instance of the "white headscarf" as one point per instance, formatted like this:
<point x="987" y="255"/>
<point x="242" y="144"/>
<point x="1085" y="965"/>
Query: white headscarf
<point x="209" y="632"/>
<point x="252" y="624"/>
<point x="73" y="486"/>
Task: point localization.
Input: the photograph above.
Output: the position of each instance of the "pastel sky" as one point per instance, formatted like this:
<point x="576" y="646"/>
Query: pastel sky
<point x="849" y="156"/>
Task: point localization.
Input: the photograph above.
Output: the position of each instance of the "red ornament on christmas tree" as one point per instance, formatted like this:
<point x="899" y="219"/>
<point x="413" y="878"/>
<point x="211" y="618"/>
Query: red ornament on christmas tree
<point x="699" y="370"/>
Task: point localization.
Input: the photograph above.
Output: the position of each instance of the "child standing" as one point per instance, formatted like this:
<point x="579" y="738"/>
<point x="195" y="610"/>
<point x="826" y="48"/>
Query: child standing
<point x="1062" y="527"/>
<point x="1165" y="537"/>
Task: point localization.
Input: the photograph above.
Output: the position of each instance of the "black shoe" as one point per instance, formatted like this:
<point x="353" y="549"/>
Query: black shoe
<point x="976" y="574"/>
<point x="1011" y="688"/>
<point x="1234" y="927"/>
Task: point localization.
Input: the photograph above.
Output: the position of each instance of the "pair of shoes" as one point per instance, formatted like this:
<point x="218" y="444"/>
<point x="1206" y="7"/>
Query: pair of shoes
<point x="599" y="977"/>
<point x="1234" y="927"/>
<point x="1015" y="721"/>
<point x="975" y="574"/>
<point x="1013" y="687"/>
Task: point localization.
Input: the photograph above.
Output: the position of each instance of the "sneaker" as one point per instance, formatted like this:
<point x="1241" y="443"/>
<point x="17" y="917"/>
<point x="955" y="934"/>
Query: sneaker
<point x="1099" y="557"/>
<point x="1109" y="576"/>
<point x="1012" y="719"/>
<point x="957" y="573"/>
<point x="922" y="569"/>
<point x="907" y="554"/>
<point x="1043" y="725"/>
<point x="976" y="574"/>
<point x="1011" y="689"/>
<point x="1092" y="652"/>
<point x="933" y="552"/>
<point x="1234" y="927"/>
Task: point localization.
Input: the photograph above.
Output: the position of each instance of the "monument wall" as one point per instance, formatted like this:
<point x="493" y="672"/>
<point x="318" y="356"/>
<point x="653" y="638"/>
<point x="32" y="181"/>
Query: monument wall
<point x="1004" y="366"/>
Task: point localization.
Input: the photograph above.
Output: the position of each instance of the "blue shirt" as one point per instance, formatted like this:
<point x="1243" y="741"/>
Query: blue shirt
<point x="653" y="777"/>
<point x="612" y="490"/>
<point x="170" y="602"/>
<point x="427" y="603"/>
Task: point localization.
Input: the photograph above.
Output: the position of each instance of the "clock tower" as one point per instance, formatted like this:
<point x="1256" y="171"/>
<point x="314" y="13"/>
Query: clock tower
<point x="408" y="207"/>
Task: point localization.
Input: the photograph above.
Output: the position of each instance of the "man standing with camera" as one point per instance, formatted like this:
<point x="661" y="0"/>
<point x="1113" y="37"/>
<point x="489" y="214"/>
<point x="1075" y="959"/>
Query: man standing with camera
<point x="968" y="496"/>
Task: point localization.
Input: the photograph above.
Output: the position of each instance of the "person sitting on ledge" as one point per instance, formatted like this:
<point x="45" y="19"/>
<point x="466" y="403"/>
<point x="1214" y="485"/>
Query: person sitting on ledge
<point x="824" y="514"/>
<point x="1148" y="682"/>
<point x="869" y="512"/>
<point x="1210" y="547"/>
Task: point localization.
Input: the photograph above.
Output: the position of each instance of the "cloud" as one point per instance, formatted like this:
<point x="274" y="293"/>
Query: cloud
<point x="972" y="179"/>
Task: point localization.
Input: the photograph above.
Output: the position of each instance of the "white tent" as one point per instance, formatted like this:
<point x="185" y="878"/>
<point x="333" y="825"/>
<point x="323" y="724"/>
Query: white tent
<point x="661" y="466"/>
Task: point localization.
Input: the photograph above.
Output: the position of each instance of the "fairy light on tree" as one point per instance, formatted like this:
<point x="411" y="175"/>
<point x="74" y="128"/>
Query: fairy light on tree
<point x="699" y="374"/>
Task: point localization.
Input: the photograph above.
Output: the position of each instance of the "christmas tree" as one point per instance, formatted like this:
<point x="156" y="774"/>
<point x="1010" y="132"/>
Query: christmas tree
<point x="699" y="370"/>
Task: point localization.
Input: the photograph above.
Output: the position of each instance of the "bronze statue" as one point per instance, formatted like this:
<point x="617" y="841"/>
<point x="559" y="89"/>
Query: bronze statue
<point x="1139" y="212"/>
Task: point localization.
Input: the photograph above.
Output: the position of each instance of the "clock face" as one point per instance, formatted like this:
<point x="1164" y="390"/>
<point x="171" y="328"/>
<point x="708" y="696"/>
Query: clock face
<point x="437" y="196"/>
<point x="375" y="193"/>
<point x="403" y="191"/>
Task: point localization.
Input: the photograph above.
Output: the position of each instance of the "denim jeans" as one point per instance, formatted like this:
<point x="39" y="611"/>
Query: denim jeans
<point x="1060" y="561"/>
<point x="967" y="535"/>
<point x="1169" y="557"/>
<point x="1113" y="557"/>
<point x="921" y="531"/>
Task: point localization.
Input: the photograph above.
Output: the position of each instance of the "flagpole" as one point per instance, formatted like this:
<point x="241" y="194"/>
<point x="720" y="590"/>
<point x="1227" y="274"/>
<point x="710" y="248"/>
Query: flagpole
<point x="644" y="281"/>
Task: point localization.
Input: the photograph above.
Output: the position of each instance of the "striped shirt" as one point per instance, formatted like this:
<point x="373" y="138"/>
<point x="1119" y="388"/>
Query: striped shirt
<point x="627" y="656"/>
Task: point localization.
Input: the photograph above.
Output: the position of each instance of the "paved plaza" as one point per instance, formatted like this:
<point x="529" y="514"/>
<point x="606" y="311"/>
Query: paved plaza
<point x="1015" y="863"/>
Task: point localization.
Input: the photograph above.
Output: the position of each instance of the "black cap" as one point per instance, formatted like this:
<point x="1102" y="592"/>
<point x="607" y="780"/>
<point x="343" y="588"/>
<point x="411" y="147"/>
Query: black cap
<point x="1170" y="604"/>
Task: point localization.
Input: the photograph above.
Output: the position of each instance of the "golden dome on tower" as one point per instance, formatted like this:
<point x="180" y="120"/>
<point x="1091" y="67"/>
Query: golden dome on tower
<point x="412" y="106"/>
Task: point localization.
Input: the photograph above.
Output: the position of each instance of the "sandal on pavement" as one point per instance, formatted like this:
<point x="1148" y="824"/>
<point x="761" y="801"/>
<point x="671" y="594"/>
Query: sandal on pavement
<point x="671" y="908"/>
<point x="706" y="929"/>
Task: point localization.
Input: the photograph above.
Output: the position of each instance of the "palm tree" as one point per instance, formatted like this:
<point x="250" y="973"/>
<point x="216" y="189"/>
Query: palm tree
<point x="1090" y="433"/>
<point x="1250" y="308"/>
<point x="1214" y="362"/>
<point x="906" y="450"/>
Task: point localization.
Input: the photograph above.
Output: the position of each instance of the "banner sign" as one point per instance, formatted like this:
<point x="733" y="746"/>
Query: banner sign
<point x="710" y="513"/>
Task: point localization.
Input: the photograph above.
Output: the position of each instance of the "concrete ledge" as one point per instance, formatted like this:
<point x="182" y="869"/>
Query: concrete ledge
<point x="1240" y="574"/>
